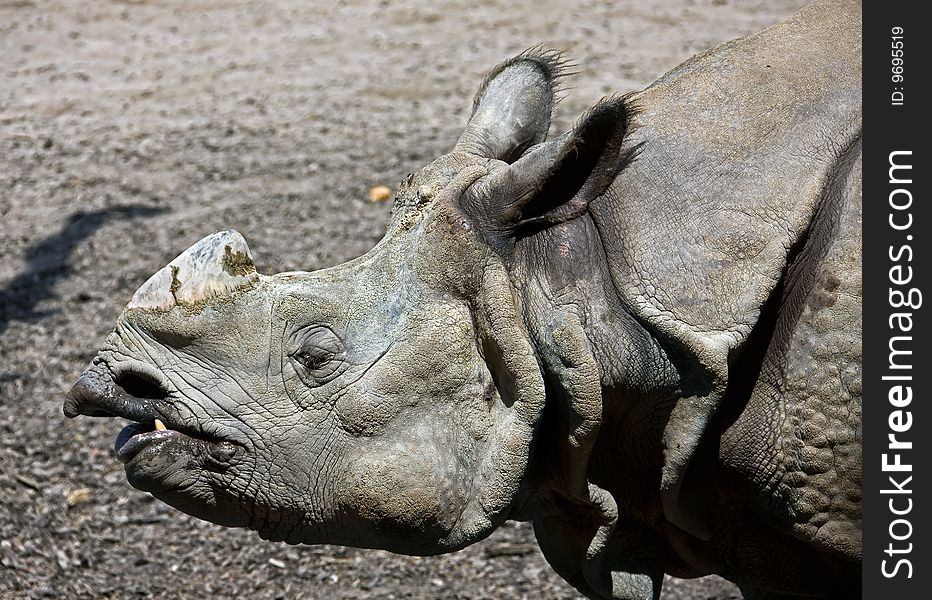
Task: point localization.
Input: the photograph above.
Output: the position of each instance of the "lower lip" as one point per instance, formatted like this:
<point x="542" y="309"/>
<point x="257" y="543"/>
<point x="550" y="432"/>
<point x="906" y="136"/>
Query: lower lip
<point x="127" y="449"/>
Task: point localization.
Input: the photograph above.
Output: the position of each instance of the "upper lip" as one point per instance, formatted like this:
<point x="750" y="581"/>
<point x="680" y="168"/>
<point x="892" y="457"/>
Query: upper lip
<point x="97" y="394"/>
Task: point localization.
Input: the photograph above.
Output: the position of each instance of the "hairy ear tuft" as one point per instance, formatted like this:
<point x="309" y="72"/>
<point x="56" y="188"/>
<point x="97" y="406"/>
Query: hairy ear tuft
<point x="552" y="64"/>
<point x="511" y="111"/>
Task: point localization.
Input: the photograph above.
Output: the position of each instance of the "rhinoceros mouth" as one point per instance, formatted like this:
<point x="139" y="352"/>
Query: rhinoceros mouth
<point x="135" y="437"/>
<point x="144" y="439"/>
<point x="138" y="395"/>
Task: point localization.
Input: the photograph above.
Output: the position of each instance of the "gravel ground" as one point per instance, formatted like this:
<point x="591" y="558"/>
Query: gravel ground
<point x="130" y="129"/>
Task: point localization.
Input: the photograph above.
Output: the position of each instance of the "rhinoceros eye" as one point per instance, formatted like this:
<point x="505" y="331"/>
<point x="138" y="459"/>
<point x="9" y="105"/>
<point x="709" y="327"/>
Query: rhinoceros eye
<point x="319" y="351"/>
<point x="314" y="358"/>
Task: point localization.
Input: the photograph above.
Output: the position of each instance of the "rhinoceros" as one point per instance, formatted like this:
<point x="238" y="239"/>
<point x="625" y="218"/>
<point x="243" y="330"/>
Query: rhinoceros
<point x="641" y="335"/>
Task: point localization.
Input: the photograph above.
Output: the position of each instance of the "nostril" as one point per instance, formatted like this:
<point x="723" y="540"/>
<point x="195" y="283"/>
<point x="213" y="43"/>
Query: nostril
<point x="100" y="392"/>
<point x="88" y="396"/>
<point x="140" y="385"/>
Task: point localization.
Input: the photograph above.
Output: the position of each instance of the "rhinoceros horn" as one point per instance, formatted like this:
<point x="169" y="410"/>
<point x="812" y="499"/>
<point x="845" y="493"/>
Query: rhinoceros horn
<point x="217" y="265"/>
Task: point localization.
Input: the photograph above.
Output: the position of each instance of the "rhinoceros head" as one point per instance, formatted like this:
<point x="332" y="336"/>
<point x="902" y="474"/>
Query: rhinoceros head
<point x="387" y="402"/>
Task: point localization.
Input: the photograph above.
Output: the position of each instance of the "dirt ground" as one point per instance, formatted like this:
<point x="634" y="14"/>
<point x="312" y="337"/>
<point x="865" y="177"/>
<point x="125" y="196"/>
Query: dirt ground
<point x="130" y="129"/>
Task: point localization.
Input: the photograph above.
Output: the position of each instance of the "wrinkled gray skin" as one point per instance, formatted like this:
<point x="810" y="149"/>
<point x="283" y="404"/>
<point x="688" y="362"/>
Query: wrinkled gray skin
<point x="642" y="335"/>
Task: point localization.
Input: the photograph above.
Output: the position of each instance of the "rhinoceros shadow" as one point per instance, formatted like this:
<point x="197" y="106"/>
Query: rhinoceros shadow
<point x="48" y="262"/>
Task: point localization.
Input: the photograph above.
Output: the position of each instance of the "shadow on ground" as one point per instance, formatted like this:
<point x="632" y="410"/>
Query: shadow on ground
<point x="48" y="262"/>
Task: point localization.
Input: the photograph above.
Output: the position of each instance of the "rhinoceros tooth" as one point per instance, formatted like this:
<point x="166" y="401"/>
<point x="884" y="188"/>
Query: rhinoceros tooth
<point x="214" y="266"/>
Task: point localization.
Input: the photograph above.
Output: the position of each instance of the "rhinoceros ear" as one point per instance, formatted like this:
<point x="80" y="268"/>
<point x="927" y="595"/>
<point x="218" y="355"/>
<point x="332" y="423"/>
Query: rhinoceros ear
<point x="556" y="181"/>
<point x="511" y="110"/>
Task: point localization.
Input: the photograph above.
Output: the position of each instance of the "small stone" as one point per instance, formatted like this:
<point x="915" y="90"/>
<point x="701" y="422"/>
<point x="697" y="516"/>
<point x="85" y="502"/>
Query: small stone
<point x="278" y="564"/>
<point x="28" y="481"/>
<point x="62" y="559"/>
<point x="379" y="193"/>
<point x="78" y="496"/>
